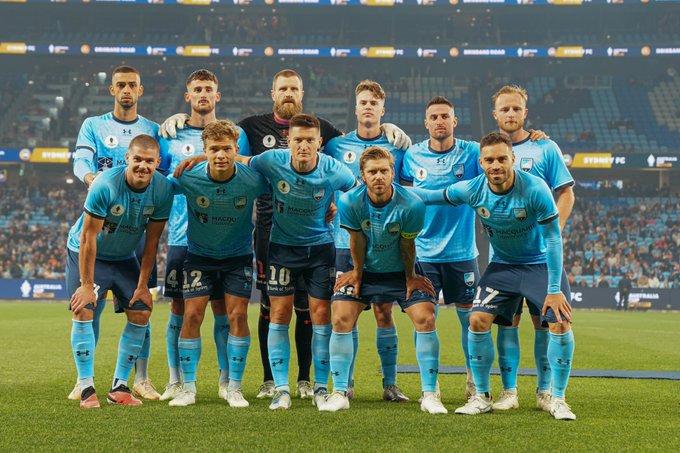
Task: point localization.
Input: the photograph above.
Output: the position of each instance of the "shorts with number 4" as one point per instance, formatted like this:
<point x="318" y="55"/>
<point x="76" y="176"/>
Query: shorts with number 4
<point x="315" y="264"/>
<point x="234" y="275"/>
<point x="503" y="286"/>
<point x="174" y="275"/>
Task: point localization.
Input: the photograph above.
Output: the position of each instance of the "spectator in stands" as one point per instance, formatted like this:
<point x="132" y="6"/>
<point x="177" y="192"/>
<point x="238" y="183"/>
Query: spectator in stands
<point x="602" y="282"/>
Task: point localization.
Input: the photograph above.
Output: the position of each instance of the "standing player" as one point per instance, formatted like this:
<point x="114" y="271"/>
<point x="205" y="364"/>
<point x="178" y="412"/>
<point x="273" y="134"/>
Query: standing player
<point x="265" y="132"/>
<point x="219" y="196"/>
<point x="202" y="95"/>
<point x="102" y="143"/>
<point x="541" y="158"/>
<point x="303" y="183"/>
<point x="369" y="109"/>
<point x="121" y="205"/>
<point x="383" y="220"/>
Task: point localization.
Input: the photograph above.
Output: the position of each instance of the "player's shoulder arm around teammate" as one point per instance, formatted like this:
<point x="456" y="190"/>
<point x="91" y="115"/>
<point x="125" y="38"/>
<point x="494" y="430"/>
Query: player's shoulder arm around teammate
<point x="83" y="158"/>
<point x="347" y="210"/>
<point x="560" y="177"/>
<point x="163" y="199"/>
<point x="541" y="199"/>
<point x="414" y="216"/>
<point x="258" y="182"/>
<point x="243" y="143"/>
<point x="341" y="177"/>
<point x="100" y="197"/>
<point x="462" y="192"/>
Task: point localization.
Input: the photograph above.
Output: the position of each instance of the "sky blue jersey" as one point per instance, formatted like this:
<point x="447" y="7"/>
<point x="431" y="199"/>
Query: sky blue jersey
<point x="543" y="158"/>
<point x="174" y="150"/>
<point x="220" y="213"/>
<point x="383" y="226"/>
<point x="301" y="200"/>
<point x="348" y="149"/>
<point x="125" y="212"/>
<point x="511" y="220"/>
<point x="103" y="141"/>
<point x="449" y="234"/>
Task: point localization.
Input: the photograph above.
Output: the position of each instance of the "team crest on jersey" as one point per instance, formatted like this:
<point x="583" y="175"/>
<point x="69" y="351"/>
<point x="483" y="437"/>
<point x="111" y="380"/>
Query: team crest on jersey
<point x="366" y="225"/>
<point x="421" y="174"/>
<point x="202" y="201"/>
<point x="201" y="216"/>
<point x="483" y="212"/>
<point x="520" y="214"/>
<point x="526" y="164"/>
<point x="283" y="187"/>
<point x="269" y="141"/>
<point x="104" y="163"/>
<point x="148" y="211"/>
<point x="318" y="194"/>
<point x="188" y="149"/>
<point x="350" y="157"/>
<point x="240" y="202"/>
<point x="459" y="171"/>
<point x="111" y="141"/>
<point x="393" y="228"/>
<point x="469" y="278"/>
<point x="118" y="210"/>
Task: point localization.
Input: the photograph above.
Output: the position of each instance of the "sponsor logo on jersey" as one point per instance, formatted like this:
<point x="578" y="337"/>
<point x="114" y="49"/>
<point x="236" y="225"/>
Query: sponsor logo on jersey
<point x="526" y="164"/>
<point x="283" y="187"/>
<point x="127" y="131"/>
<point x="350" y="157"/>
<point x="280" y="206"/>
<point x="366" y="225"/>
<point x="188" y="149"/>
<point x="469" y="278"/>
<point x="483" y="212"/>
<point x="421" y="174"/>
<point x="118" y="210"/>
<point x="269" y="141"/>
<point x="109" y="227"/>
<point x="240" y="202"/>
<point x="202" y="201"/>
<point x="393" y="228"/>
<point x="318" y="194"/>
<point x="201" y="216"/>
<point x="104" y="163"/>
<point x="111" y="141"/>
<point x="459" y="171"/>
<point x="520" y="214"/>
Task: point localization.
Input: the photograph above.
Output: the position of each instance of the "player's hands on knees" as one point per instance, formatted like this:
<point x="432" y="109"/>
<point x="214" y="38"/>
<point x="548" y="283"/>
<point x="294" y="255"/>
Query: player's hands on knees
<point x="84" y="296"/>
<point x="330" y="214"/>
<point x="559" y="305"/>
<point x="188" y="164"/>
<point x="419" y="283"/>
<point x="144" y="296"/>
<point x="535" y="136"/>
<point x="169" y="127"/>
<point x="396" y="136"/>
<point x="351" y="278"/>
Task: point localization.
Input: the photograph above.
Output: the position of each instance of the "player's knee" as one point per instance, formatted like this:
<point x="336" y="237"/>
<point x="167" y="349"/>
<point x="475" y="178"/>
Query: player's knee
<point x="425" y="324"/>
<point x="321" y="313"/>
<point x="86" y="314"/>
<point x="478" y="323"/>
<point x="193" y="317"/>
<point x="280" y="315"/>
<point x="139" y="317"/>
<point x="560" y="327"/>
<point x="383" y="315"/>
<point x="177" y="306"/>
<point x="342" y="322"/>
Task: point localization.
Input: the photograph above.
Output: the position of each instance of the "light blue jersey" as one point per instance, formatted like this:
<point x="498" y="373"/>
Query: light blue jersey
<point x="383" y="226"/>
<point x="449" y="234"/>
<point x="125" y="213"/>
<point x="543" y="158"/>
<point x="348" y="149"/>
<point x="301" y="200"/>
<point x="220" y="213"/>
<point x="103" y="141"/>
<point x="175" y="150"/>
<point x="511" y="220"/>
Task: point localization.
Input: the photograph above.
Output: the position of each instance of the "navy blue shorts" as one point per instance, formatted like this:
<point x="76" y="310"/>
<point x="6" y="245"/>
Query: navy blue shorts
<point x="384" y="288"/>
<point x="118" y="276"/>
<point x="204" y="275"/>
<point x="343" y="261"/>
<point x="503" y="286"/>
<point x="174" y="275"/>
<point x="314" y="264"/>
<point x="139" y="253"/>
<point x="458" y="281"/>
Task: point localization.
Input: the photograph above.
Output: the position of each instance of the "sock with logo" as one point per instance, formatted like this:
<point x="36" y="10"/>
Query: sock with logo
<point x="83" y="346"/>
<point x="221" y="336"/>
<point x="480" y="345"/>
<point x="560" y="355"/>
<point x="142" y="363"/>
<point x="320" y="354"/>
<point x="341" y="351"/>
<point x="238" y="353"/>
<point x="171" y="339"/>
<point x="508" y="355"/>
<point x="189" y="356"/>
<point x="427" y="354"/>
<point x="128" y="349"/>
<point x="387" y="343"/>
<point x="279" y="354"/>
<point x="543" y="372"/>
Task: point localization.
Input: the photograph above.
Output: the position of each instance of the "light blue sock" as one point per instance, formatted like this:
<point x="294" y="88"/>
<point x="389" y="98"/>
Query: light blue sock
<point x="98" y="310"/>
<point x="279" y="354"/>
<point x="238" y="353"/>
<point x="171" y="338"/>
<point x="321" y="338"/>
<point x="560" y="355"/>
<point x="128" y="349"/>
<point x="480" y="345"/>
<point x="387" y="342"/>
<point x="464" y="319"/>
<point x="355" y="345"/>
<point x="508" y="355"/>
<point x="541" y="341"/>
<point x="221" y="336"/>
<point x="83" y="345"/>
<point x="341" y="351"/>
<point x="142" y="363"/>
<point x="427" y="353"/>
<point x="189" y="356"/>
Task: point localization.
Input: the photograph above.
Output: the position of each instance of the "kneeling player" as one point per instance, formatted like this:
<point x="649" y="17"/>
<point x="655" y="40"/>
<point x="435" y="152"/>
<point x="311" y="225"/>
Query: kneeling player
<point x="383" y="220"/>
<point x="121" y="205"/>
<point x="220" y="195"/>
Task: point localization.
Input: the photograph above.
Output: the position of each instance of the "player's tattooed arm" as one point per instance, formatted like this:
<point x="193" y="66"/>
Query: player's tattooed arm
<point x="86" y="293"/>
<point x="414" y="282"/>
<point x="154" y="230"/>
<point x="357" y="248"/>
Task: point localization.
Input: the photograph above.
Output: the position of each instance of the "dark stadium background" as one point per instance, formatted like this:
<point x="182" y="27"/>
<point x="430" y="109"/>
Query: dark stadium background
<point x="603" y="82"/>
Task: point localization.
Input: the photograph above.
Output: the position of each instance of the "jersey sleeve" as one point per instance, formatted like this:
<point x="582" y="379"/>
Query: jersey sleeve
<point x="349" y="219"/>
<point x="259" y="162"/>
<point x="414" y="220"/>
<point x="331" y="148"/>
<point x="86" y="147"/>
<point x="558" y="174"/>
<point x="341" y="177"/>
<point x="263" y="187"/>
<point x="166" y="157"/>
<point x="458" y="193"/>
<point x="543" y="203"/>
<point x="176" y="185"/>
<point x="243" y="143"/>
<point x="553" y="242"/>
<point x="429" y="196"/>
<point x="162" y="212"/>
<point x="474" y="153"/>
<point x="98" y="199"/>
<point x="406" y="170"/>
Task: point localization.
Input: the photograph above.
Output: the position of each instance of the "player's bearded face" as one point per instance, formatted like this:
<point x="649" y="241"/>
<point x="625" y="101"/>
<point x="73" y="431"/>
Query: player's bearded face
<point x="287" y="94"/>
<point x="440" y="121"/>
<point x="378" y="175"/>
<point x="126" y="88"/>
<point x="497" y="161"/>
<point x="202" y="95"/>
<point x="510" y="112"/>
<point x="304" y="145"/>
<point x="141" y="165"/>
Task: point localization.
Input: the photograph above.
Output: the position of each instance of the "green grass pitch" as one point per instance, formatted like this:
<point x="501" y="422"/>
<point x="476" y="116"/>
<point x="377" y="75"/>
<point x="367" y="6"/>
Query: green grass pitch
<point x="37" y="372"/>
